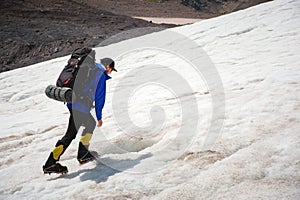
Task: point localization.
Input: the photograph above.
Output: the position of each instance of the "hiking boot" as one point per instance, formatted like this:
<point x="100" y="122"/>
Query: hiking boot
<point x="84" y="157"/>
<point x="55" y="168"/>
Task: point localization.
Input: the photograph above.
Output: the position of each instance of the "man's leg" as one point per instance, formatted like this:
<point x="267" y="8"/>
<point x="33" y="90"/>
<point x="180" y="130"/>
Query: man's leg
<point x="84" y="155"/>
<point x="62" y="145"/>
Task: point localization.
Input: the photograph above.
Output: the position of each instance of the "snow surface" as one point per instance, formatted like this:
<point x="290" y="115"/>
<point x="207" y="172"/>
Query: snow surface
<point x="255" y="154"/>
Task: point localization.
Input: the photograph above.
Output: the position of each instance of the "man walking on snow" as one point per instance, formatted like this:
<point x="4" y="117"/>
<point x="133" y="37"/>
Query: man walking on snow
<point x="80" y="116"/>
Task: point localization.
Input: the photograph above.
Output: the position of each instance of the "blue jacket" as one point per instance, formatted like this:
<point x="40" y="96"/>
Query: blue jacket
<point x="97" y="95"/>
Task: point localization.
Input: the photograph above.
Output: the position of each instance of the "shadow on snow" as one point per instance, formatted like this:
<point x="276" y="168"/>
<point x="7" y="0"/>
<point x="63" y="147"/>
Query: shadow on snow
<point x="105" y="168"/>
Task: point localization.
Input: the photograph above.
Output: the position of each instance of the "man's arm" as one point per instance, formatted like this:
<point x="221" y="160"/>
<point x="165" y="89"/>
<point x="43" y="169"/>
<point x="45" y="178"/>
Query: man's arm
<point x="100" y="98"/>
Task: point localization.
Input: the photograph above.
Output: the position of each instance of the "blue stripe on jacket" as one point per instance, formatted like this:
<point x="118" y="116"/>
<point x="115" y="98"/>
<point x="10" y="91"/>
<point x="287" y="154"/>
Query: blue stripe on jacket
<point x="97" y="95"/>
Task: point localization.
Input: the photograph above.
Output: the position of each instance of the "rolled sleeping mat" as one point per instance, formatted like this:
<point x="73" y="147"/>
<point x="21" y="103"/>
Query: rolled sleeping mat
<point x="62" y="94"/>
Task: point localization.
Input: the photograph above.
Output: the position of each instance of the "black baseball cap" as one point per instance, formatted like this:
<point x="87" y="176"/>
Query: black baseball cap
<point x="110" y="62"/>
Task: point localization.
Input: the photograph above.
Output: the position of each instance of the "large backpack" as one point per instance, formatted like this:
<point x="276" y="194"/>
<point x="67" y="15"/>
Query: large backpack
<point x="75" y="77"/>
<point x="79" y="57"/>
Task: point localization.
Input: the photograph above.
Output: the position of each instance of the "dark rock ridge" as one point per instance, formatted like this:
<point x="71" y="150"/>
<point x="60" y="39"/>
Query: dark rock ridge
<point x="33" y="31"/>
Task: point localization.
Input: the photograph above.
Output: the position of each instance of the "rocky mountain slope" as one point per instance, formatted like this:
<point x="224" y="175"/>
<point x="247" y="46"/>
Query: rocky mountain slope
<point x="33" y="31"/>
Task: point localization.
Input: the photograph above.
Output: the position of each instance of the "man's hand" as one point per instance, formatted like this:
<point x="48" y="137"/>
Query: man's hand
<point x="100" y="122"/>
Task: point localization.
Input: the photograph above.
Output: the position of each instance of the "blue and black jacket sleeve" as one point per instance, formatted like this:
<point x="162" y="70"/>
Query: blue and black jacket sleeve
<point x="100" y="96"/>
